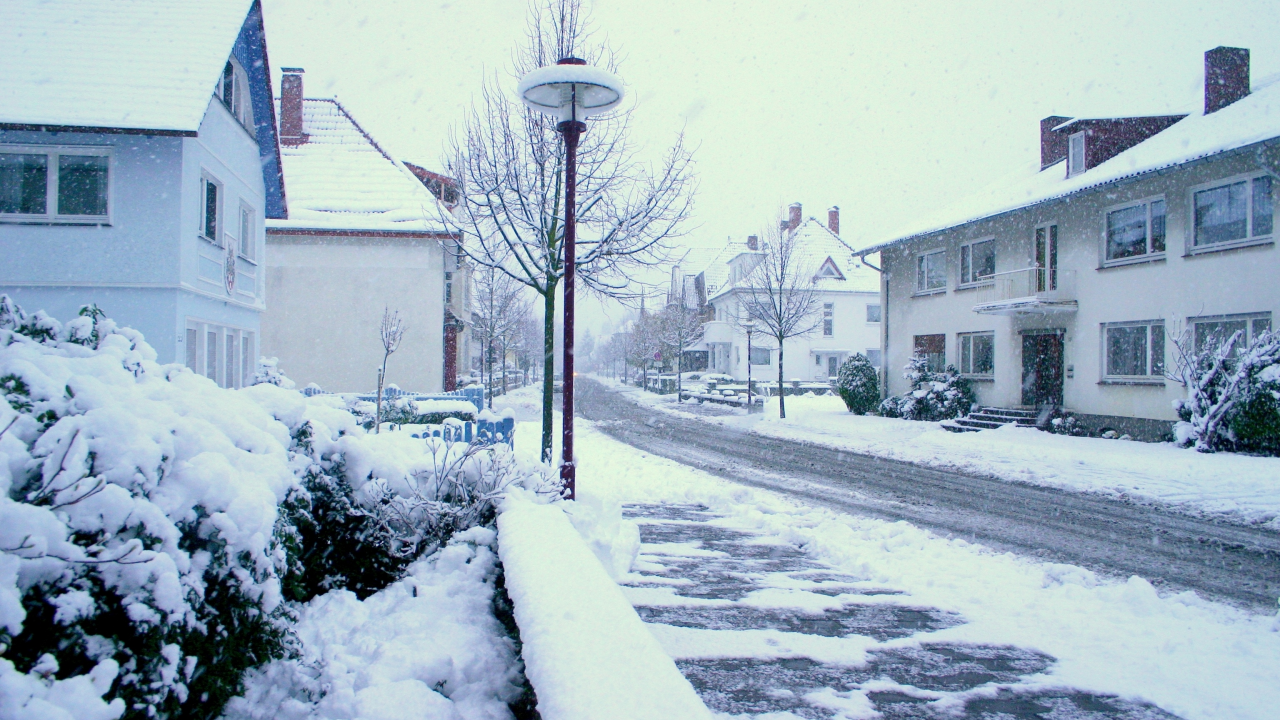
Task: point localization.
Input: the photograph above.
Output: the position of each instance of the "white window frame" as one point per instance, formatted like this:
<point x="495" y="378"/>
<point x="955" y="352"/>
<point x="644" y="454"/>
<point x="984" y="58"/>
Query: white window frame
<point x="1247" y="318"/>
<point x="1150" y="254"/>
<point x="247" y="248"/>
<point x="963" y="339"/>
<point x="51" y="216"/>
<point x="1076" y="166"/>
<point x="920" y="276"/>
<point x="828" y="319"/>
<point x="207" y="179"/>
<point x="966" y="251"/>
<point x="879" y="313"/>
<point x="1152" y="377"/>
<point x="1250" y="238"/>
<point x="241" y="105"/>
<point x="241" y="367"/>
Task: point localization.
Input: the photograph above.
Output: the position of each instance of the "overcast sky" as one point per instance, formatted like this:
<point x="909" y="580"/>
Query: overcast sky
<point x="884" y="109"/>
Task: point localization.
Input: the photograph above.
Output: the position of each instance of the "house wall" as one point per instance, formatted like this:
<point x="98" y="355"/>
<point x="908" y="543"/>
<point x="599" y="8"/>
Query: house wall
<point x="851" y="334"/>
<point x="141" y="268"/>
<point x="326" y="298"/>
<point x="1173" y="288"/>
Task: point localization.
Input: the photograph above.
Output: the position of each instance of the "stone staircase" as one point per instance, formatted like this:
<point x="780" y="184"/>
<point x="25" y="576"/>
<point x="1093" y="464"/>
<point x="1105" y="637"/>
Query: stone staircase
<point x="987" y="418"/>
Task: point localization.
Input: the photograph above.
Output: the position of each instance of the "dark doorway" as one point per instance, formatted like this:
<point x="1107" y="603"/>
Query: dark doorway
<point x="1042" y="369"/>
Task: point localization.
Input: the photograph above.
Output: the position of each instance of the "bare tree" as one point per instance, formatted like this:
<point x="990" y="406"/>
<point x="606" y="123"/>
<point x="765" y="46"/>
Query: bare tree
<point x="391" y="331"/>
<point x="509" y="165"/>
<point x="780" y="294"/>
<point x="1216" y="378"/>
<point x="499" y="307"/>
<point x="679" y="326"/>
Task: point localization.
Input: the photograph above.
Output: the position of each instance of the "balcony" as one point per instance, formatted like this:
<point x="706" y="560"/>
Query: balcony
<point x="1029" y="291"/>
<point x="717" y="331"/>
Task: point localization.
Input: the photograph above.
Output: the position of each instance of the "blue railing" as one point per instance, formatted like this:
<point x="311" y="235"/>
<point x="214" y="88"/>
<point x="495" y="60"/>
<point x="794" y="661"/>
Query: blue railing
<point x="482" y="432"/>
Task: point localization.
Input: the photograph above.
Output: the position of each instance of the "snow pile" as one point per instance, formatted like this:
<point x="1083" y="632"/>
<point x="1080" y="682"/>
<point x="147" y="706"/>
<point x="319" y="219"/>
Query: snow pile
<point x="427" y="646"/>
<point x="586" y="652"/>
<point x="615" y="541"/>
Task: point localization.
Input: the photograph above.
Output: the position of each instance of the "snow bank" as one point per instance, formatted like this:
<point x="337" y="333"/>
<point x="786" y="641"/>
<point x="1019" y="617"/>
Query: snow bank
<point x="426" y="647"/>
<point x="586" y="652"/>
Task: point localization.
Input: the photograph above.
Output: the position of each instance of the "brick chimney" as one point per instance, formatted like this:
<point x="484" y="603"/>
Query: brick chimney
<point x="1053" y="146"/>
<point x="833" y="219"/>
<point x="794" y="221"/>
<point x="1226" y="77"/>
<point x="753" y="242"/>
<point x="291" y="107"/>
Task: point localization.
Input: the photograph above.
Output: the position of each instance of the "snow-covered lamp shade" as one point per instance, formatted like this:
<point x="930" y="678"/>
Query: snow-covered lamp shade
<point x="570" y="90"/>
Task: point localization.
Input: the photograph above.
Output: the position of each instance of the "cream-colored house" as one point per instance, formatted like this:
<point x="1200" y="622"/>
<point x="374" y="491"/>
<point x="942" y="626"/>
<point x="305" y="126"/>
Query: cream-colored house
<point x="847" y="317"/>
<point x="363" y="234"/>
<point x="1069" y="286"/>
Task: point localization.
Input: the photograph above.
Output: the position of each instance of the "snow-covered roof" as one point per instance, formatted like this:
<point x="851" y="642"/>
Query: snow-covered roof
<point x="1252" y="119"/>
<point x="816" y="244"/>
<point x="136" y="65"/>
<point x="340" y="179"/>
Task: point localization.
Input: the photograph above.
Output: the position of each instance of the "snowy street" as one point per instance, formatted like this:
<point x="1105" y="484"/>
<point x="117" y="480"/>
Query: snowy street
<point x="1119" y="538"/>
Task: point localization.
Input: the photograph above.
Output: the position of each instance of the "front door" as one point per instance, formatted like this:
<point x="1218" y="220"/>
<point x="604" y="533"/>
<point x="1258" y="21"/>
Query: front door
<point x="1042" y="369"/>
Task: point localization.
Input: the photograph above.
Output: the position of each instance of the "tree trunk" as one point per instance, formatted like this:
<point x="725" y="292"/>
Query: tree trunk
<point x="377" y="415"/>
<point x="548" y="367"/>
<point x="782" y="395"/>
<point x="679" y="370"/>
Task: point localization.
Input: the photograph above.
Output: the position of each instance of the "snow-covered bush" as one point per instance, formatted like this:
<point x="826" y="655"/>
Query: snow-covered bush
<point x="1233" y="394"/>
<point x="933" y="395"/>
<point x="138" y="563"/>
<point x="269" y="373"/>
<point x="858" y="385"/>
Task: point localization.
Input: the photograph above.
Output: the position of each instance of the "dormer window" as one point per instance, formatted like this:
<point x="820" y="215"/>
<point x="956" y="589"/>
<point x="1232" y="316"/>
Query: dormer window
<point x="233" y="91"/>
<point x="1075" y="154"/>
<point x="829" y="270"/>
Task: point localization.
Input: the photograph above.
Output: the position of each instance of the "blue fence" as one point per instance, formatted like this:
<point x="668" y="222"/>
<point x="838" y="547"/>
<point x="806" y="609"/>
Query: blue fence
<point x="482" y="432"/>
<point x="474" y="395"/>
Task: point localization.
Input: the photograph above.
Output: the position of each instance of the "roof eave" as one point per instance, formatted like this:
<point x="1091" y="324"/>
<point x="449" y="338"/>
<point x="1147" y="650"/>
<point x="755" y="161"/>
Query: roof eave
<point x="45" y="127"/>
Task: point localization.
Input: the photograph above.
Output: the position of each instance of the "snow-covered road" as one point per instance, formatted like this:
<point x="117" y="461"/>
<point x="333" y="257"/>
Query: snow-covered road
<point x="1180" y="551"/>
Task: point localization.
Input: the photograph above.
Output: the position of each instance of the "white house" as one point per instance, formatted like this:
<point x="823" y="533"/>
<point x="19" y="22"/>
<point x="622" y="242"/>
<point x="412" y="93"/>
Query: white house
<point x="136" y="169"/>
<point x="363" y="234"/>
<point x="847" y="316"/>
<point x="1069" y="286"/>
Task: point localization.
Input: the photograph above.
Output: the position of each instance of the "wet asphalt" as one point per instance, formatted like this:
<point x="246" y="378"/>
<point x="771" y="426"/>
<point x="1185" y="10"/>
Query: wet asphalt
<point x="1224" y="561"/>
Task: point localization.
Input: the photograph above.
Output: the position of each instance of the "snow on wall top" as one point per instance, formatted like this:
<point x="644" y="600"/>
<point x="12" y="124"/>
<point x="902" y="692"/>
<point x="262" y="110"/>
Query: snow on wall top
<point x="1252" y="119"/>
<point x="139" y="65"/>
<point x="340" y="179"/>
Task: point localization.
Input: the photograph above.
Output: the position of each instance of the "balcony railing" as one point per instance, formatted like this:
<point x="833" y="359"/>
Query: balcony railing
<point x="1032" y="290"/>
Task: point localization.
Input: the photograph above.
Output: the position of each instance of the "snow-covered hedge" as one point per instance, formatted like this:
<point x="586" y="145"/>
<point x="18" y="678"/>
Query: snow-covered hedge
<point x="858" y="385"/>
<point x="933" y="395"/>
<point x="153" y="525"/>
<point x="1233" y="394"/>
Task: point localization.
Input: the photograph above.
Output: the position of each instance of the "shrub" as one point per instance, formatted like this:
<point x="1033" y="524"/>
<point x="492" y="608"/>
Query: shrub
<point x="1233" y="394"/>
<point x="933" y="396"/>
<point x="858" y="385"/>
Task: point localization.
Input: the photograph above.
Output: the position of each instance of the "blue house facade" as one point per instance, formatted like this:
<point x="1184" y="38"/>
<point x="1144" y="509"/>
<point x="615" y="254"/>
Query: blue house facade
<point x="142" y="179"/>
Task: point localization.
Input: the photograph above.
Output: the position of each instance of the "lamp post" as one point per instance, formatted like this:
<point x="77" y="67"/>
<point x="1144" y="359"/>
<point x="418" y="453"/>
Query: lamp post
<point x="750" y="327"/>
<point x="570" y="91"/>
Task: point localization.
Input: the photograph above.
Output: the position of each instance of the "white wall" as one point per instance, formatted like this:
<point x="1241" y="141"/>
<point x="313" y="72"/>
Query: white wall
<point x="325" y="301"/>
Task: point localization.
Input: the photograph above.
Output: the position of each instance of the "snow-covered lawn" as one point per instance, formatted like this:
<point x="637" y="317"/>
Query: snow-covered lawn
<point x="1189" y="656"/>
<point x="1240" y="488"/>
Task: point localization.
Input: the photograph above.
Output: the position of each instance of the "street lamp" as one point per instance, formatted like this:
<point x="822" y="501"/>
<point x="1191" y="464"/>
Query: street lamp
<point x="750" y="327"/>
<point x="570" y="91"/>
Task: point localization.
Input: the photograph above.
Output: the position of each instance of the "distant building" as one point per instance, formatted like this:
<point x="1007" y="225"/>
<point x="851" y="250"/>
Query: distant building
<point x="136" y="171"/>
<point x="363" y="234"/>
<point x="847" y="313"/>
<point x="1068" y="287"/>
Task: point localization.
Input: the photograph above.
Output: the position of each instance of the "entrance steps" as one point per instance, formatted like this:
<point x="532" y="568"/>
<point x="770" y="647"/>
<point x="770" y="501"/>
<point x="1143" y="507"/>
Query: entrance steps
<point x="989" y="418"/>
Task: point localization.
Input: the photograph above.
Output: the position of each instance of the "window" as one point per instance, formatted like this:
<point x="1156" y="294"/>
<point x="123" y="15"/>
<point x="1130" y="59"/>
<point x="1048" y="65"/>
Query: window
<point x="931" y="271"/>
<point x="1134" y="350"/>
<point x="221" y="353"/>
<point x="68" y="184"/>
<point x="1235" y="213"/>
<point x="833" y="366"/>
<point x="817" y="360"/>
<point x="210" y="205"/>
<point x="193" y="356"/>
<point x="248" y="367"/>
<point x="978" y="354"/>
<point x="933" y="348"/>
<point x="211" y="355"/>
<point x="1210" y="332"/>
<point x="1136" y="231"/>
<point x="233" y="360"/>
<point x="873" y="313"/>
<point x="977" y="262"/>
<point x="233" y="91"/>
<point x="873" y="356"/>
<point x="1047" y="258"/>
<point x="248" y="239"/>
<point x="448" y="288"/>
<point x="1075" y="154"/>
<point x="828" y="319"/>
<point x="760" y="356"/>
